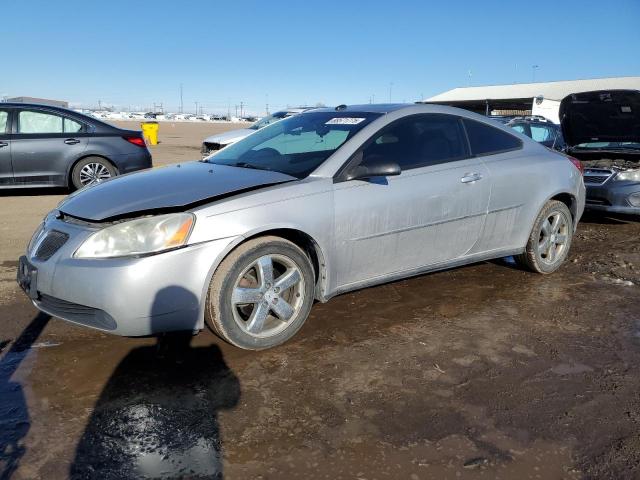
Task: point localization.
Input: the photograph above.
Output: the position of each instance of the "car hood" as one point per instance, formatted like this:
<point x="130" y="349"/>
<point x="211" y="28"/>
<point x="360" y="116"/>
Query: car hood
<point x="601" y="116"/>
<point x="168" y="188"/>
<point x="229" y="137"/>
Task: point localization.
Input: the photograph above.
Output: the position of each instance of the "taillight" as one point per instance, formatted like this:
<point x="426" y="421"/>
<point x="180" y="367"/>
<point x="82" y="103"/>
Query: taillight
<point x="577" y="163"/>
<point x="139" y="141"/>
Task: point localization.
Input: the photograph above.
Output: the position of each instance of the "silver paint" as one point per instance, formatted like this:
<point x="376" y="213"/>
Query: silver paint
<point x="363" y="232"/>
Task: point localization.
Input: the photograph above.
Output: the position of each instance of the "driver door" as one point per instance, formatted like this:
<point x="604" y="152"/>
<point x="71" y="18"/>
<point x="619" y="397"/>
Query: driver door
<point x="433" y="212"/>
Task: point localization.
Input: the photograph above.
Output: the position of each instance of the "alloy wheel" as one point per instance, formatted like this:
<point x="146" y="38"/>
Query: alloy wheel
<point x="93" y="173"/>
<point x="268" y="295"/>
<point x="553" y="237"/>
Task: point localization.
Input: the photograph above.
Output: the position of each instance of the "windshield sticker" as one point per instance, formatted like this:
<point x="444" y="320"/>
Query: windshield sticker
<point x="344" y="121"/>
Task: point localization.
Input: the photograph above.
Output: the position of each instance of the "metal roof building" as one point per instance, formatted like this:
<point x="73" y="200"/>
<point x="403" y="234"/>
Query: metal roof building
<point x="520" y="96"/>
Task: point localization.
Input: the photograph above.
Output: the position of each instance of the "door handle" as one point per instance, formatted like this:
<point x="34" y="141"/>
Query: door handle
<point x="471" y="177"/>
<point x="3" y="144"/>
<point x="71" y="141"/>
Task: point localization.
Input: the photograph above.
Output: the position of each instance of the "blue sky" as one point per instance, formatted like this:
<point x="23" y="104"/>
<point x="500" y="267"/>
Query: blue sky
<point x="296" y="52"/>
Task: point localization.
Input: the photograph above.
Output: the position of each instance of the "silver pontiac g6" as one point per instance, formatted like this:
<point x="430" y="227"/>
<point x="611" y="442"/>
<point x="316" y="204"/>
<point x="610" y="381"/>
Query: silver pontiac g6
<point x="322" y="203"/>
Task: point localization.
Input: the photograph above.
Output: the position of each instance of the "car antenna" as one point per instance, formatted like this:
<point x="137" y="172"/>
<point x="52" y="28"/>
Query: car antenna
<point x="341" y="107"/>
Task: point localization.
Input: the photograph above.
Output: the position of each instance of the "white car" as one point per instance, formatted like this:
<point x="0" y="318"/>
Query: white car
<point x="217" y="142"/>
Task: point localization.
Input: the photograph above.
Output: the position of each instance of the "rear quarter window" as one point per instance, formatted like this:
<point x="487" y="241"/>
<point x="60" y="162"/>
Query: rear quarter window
<point x="487" y="140"/>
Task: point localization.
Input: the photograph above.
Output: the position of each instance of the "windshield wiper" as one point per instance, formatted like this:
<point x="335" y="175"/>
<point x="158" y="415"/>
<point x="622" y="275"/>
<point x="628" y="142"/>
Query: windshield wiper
<point x="247" y="165"/>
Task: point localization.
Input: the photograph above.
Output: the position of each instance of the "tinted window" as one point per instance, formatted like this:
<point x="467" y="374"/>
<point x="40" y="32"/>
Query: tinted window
<point x="4" y="121"/>
<point x="485" y="139"/>
<point x="39" y="122"/>
<point x="418" y="141"/>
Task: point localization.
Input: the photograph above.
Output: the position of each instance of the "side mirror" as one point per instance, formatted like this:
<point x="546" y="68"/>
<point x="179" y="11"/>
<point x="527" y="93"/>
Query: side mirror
<point x="376" y="167"/>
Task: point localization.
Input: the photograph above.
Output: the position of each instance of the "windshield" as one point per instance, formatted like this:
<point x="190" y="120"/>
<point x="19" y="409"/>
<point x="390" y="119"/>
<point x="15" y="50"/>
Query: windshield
<point x="295" y="146"/>
<point x="269" y="119"/>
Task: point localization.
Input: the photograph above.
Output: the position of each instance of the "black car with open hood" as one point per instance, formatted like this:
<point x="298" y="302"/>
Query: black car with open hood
<point x="601" y="123"/>
<point x="602" y="128"/>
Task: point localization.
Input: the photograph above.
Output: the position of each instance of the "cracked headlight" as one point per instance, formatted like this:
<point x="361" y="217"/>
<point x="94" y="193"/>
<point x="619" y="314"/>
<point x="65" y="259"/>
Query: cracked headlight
<point x="633" y="175"/>
<point x="138" y="237"/>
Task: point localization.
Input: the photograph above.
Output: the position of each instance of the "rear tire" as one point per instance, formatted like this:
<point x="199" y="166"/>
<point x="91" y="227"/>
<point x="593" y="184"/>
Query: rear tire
<point x="550" y="239"/>
<point x="261" y="294"/>
<point x="92" y="170"/>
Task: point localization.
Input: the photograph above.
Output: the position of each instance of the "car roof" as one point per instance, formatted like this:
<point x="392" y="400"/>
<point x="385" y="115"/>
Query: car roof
<point x="37" y="105"/>
<point x="367" y="108"/>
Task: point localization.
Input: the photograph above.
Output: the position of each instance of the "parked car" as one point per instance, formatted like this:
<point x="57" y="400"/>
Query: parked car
<point x="542" y="131"/>
<point x="216" y="142"/>
<point x="46" y="146"/>
<point x="319" y="204"/>
<point x="502" y="118"/>
<point x="602" y="128"/>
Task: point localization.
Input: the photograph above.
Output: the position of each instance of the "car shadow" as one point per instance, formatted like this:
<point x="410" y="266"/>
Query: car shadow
<point x="33" y="192"/>
<point x="157" y="416"/>
<point x="14" y="414"/>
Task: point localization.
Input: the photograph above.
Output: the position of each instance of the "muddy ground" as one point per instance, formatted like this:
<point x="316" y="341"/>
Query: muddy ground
<point x="484" y="371"/>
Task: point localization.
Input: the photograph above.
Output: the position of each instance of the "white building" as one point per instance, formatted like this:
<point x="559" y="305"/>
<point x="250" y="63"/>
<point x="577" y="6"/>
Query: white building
<point x="541" y="98"/>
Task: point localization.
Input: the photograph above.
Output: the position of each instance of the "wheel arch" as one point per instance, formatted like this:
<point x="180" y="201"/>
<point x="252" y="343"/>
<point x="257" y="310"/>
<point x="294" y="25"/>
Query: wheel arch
<point x="302" y="239"/>
<point x="570" y="201"/>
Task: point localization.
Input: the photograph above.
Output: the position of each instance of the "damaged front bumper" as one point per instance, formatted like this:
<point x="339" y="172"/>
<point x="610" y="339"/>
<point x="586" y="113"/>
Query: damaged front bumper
<point x="128" y="296"/>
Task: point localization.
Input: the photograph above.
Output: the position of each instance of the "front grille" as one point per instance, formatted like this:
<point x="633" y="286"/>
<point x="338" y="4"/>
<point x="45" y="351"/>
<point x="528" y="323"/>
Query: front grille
<point x="50" y="244"/>
<point x="597" y="176"/>
<point x="74" y="312"/>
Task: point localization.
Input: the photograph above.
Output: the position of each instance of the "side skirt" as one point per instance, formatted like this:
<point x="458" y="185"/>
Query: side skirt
<point x="481" y="257"/>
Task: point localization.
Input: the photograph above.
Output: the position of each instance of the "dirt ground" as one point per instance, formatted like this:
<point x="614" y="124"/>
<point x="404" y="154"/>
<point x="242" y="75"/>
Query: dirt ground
<point x="484" y="371"/>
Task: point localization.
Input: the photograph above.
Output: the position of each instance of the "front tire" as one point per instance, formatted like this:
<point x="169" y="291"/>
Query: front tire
<point x="550" y="239"/>
<point x="91" y="170"/>
<point x="261" y="294"/>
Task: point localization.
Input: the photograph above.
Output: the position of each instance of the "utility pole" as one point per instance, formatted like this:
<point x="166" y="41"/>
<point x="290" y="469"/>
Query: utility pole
<point x="236" y="110"/>
<point x="228" y="110"/>
<point x="181" y="104"/>
<point x="196" y="107"/>
<point x="99" y="105"/>
<point x="241" y="109"/>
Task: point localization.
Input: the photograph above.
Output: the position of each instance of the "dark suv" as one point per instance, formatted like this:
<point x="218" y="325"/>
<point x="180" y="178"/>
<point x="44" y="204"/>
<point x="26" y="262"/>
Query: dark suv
<point x="46" y="146"/>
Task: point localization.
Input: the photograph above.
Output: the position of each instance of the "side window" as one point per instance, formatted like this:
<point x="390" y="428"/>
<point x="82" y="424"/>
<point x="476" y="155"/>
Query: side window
<point x="71" y="126"/>
<point x="418" y="141"/>
<point x="541" y="133"/>
<point x="521" y="129"/>
<point x="4" y="121"/>
<point x="39" y="122"/>
<point x="486" y="140"/>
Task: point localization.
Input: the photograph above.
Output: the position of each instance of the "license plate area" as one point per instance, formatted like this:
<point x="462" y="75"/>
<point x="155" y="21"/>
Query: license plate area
<point x="28" y="278"/>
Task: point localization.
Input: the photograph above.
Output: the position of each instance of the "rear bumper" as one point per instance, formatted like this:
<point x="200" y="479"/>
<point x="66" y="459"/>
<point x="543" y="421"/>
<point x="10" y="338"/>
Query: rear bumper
<point x="614" y="197"/>
<point x="133" y="162"/>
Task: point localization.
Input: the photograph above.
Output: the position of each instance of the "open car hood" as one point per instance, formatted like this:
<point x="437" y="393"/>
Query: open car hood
<point x="601" y="116"/>
<point x="169" y="188"/>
